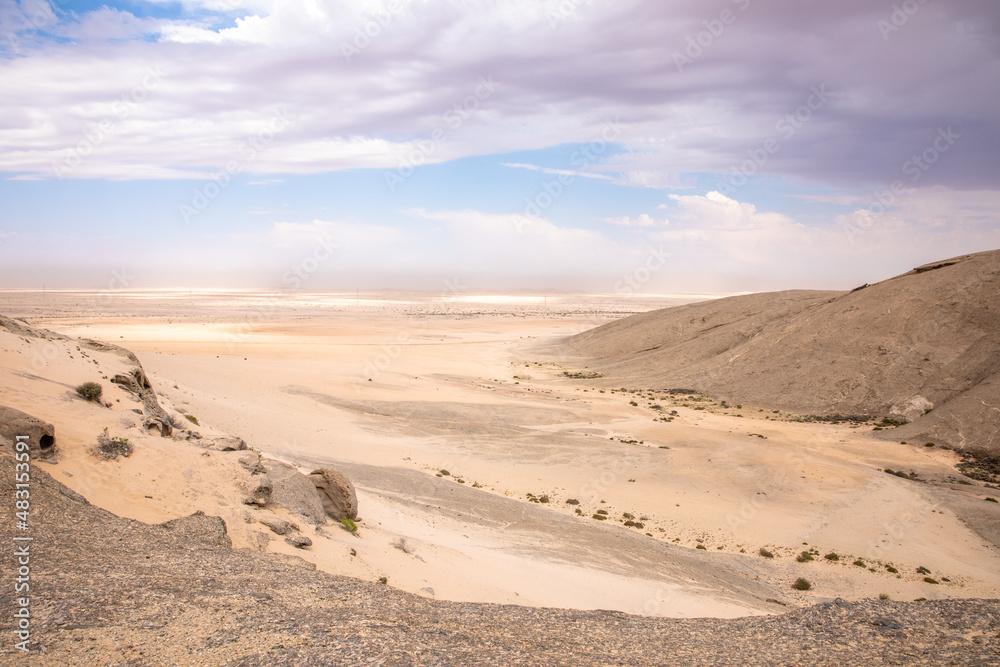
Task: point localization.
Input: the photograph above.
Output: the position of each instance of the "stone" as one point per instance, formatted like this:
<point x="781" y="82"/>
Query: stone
<point x="277" y="524"/>
<point x="138" y="384"/>
<point x="258" y="490"/>
<point x="251" y="463"/>
<point x="294" y="492"/>
<point x="222" y="443"/>
<point x="340" y="500"/>
<point x="199" y="529"/>
<point x="299" y="541"/>
<point x="41" y="435"/>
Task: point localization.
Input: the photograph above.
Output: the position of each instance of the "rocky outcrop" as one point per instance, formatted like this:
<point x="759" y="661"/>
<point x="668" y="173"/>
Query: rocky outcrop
<point x="294" y="492"/>
<point x="299" y="541"/>
<point x="340" y="500"/>
<point x="199" y="529"/>
<point x="41" y="435"/>
<point x="277" y="525"/>
<point x="256" y="484"/>
<point x="222" y="443"/>
<point x="155" y="417"/>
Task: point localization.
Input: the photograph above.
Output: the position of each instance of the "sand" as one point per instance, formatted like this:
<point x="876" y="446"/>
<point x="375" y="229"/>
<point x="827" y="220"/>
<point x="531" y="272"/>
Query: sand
<point x="394" y="389"/>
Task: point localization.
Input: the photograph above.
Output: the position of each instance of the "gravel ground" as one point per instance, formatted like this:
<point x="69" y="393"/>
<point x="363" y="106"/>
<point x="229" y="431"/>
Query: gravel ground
<point x="111" y="591"/>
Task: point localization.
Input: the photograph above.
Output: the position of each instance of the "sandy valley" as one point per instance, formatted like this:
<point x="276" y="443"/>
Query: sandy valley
<point x="490" y="466"/>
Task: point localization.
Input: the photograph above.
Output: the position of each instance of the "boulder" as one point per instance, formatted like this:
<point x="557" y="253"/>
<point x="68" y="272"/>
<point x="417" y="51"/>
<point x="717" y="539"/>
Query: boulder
<point x="294" y="491"/>
<point x="299" y="541"/>
<point x="252" y="464"/>
<point x="255" y="481"/>
<point x="41" y="435"/>
<point x="221" y="443"/>
<point x="138" y="384"/>
<point x="200" y="530"/>
<point x="258" y="490"/>
<point x="340" y="500"/>
<point x="276" y="523"/>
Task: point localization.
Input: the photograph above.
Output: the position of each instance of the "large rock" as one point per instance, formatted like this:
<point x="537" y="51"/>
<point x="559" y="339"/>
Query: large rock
<point x="340" y="500"/>
<point x="41" y="435"/>
<point x="222" y="443"/>
<point x="254" y="480"/>
<point x="294" y="491"/>
<point x="199" y="529"/>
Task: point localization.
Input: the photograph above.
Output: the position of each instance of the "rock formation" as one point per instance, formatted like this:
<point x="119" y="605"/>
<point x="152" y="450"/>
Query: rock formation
<point x="295" y="492"/>
<point x="340" y="500"/>
<point x="41" y="435"/>
<point x="155" y="417"/>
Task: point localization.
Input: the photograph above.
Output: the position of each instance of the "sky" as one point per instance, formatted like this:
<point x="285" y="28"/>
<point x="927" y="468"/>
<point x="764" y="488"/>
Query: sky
<point x="612" y="146"/>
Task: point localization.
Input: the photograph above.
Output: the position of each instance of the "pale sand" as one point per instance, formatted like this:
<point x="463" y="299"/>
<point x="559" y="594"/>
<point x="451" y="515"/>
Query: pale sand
<point x="293" y="382"/>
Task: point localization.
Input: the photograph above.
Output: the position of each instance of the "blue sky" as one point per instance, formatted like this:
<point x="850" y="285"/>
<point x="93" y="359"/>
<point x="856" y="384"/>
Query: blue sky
<point x="752" y="144"/>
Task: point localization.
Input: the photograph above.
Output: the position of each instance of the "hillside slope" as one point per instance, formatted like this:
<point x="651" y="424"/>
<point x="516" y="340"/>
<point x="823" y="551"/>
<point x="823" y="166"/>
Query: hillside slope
<point x="926" y="340"/>
<point x="108" y="590"/>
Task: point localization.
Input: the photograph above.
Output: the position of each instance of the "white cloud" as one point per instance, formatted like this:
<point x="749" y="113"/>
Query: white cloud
<point x="566" y="67"/>
<point x="643" y="220"/>
<point x="560" y="172"/>
<point x="347" y="235"/>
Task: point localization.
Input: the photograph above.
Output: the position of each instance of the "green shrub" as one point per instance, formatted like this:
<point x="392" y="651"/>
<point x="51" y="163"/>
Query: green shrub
<point x="805" y="557"/>
<point x="90" y="391"/>
<point x="931" y="581"/>
<point x="801" y="584"/>
<point x="349" y="525"/>
<point x="832" y="557"/>
<point x="890" y="568"/>
<point x="765" y="553"/>
<point x="990" y="499"/>
<point x="859" y="563"/>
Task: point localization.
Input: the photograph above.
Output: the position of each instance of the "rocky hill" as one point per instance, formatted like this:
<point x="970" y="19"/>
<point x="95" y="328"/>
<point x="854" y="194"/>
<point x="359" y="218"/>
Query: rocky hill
<point x="922" y="348"/>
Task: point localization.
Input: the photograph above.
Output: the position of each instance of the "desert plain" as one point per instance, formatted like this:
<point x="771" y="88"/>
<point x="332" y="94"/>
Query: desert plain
<point x="491" y="464"/>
